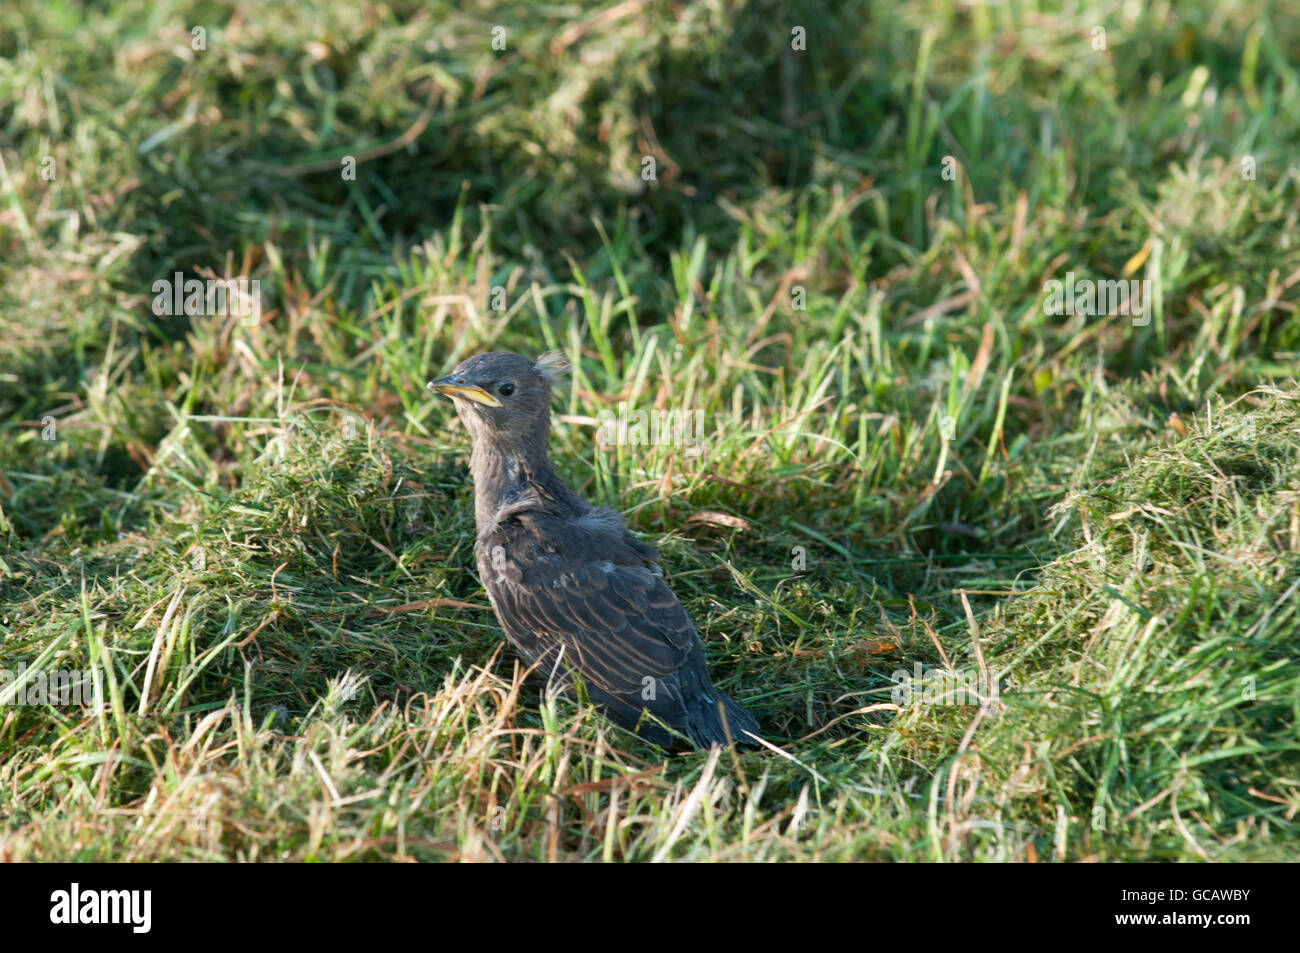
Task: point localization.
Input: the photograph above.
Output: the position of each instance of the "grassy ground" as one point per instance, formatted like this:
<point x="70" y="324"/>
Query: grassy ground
<point x="914" y="481"/>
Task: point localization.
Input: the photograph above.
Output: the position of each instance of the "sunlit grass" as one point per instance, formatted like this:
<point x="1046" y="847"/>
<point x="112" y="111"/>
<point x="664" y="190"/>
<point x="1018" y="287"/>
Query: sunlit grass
<point x="262" y="536"/>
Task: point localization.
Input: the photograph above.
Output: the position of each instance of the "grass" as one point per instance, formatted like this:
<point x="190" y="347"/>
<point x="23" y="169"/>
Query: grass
<point x="260" y="537"/>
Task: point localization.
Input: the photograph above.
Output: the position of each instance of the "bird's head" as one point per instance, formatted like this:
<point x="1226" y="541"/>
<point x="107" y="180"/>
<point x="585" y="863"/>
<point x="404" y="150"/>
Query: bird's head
<point x="504" y="398"/>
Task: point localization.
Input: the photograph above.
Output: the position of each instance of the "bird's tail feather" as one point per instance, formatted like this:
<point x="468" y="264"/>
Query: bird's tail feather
<point x="722" y="722"/>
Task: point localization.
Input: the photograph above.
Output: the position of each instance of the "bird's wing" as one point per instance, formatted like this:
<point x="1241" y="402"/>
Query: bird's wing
<point x="589" y="588"/>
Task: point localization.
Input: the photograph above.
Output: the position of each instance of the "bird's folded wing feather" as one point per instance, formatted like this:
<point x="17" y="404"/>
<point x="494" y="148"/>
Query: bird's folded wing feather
<point x="591" y="589"/>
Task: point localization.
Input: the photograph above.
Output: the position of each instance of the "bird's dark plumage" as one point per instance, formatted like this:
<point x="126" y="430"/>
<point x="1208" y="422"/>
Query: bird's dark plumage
<point x="575" y="591"/>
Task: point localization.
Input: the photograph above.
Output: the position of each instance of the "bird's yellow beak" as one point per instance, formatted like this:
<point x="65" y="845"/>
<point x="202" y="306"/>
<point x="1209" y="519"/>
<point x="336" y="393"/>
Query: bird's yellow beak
<point x="459" y="387"/>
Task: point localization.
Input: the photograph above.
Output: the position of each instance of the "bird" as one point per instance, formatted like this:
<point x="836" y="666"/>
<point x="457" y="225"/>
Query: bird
<point x="577" y="594"/>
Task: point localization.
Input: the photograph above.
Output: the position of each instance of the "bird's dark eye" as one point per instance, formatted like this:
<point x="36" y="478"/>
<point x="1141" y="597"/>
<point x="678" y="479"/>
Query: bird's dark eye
<point x="506" y="388"/>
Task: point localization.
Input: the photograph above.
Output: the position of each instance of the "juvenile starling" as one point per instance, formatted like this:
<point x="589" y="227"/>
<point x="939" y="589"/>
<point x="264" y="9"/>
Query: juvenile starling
<point x="574" y="591"/>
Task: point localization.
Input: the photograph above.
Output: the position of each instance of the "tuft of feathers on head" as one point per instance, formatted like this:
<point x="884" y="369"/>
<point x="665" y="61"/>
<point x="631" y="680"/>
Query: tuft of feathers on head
<point x="553" y="365"/>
